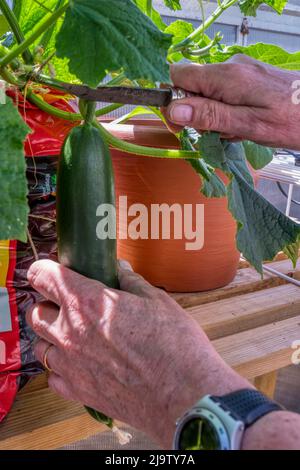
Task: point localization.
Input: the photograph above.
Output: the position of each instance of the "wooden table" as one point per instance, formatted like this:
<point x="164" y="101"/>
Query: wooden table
<point x="252" y="323"/>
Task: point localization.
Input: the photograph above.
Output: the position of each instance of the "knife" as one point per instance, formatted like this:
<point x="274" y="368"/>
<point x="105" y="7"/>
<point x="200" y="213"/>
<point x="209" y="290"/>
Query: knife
<point x="157" y="97"/>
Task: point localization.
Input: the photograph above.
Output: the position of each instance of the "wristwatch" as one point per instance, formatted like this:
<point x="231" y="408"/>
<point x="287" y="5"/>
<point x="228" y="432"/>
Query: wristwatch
<point x="219" y="423"/>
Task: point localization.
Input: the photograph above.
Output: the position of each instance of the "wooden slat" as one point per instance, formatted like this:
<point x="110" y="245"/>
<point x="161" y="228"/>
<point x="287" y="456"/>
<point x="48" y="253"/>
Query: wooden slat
<point x="42" y="420"/>
<point x="267" y="383"/>
<point x="257" y="352"/>
<point x="246" y="280"/>
<point x="229" y="316"/>
<point x="36" y="383"/>
<point x="54" y="435"/>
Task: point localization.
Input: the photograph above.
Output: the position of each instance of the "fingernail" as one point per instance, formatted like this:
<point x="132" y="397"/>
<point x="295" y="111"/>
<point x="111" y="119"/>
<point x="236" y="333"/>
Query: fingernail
<point x="125" y="265"/>
<point x="181" y="113"/>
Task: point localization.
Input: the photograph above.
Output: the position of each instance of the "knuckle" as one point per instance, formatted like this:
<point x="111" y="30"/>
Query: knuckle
<point x="207" y="116"/>
<point x="66" y="343"/>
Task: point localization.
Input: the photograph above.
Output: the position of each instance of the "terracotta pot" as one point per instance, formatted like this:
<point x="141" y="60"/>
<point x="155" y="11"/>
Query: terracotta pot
<point x="166" y="262"/>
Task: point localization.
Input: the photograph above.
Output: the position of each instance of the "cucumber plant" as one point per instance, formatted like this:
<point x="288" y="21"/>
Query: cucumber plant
<point x="129" y="40"/>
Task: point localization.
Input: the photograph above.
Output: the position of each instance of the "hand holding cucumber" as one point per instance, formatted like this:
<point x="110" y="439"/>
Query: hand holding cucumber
<point x="133" y="353"/>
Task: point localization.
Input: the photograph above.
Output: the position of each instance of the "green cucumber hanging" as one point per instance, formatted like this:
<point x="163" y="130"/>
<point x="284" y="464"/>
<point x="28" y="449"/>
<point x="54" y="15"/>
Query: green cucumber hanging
<point x="85" y="181"/>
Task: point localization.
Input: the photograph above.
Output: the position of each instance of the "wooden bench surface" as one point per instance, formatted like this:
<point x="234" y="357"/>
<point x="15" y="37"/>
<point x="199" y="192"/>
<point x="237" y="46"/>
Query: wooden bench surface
<point x="252" y="323"/>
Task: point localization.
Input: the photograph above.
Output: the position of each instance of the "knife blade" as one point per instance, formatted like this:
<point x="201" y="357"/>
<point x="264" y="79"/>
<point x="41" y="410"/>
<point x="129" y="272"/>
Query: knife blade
<point x="157" y="97"/>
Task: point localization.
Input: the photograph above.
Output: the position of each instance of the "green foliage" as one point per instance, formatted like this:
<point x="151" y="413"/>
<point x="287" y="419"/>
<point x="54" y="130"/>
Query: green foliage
<point x="267" y="53"/>
<point x="180" y="30"/>
<point x="173" y="4"/>
<point x="30" y="13"/>
<point x="212" y="185"/>
<point x="155" y="16"/>
<point x="263" y="230"/>
<point x="257" y="155"/>
<point x="120" y="37"/>
<point x="13" y="200"/>
<point x="249" y="7"/>
<point x="3" y="25"/>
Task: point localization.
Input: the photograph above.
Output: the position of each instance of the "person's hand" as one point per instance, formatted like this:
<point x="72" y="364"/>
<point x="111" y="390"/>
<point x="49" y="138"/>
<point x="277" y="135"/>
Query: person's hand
<point x="243" y="99"/>
<point x="134" y="354"/>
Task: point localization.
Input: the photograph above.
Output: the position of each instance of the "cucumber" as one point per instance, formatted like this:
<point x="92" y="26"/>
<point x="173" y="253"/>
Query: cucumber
<point x="85" y="181"/>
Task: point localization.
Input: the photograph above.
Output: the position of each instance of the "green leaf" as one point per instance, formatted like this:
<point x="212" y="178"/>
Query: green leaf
<point x="292" y="251"/>
<point x="266" y="53"/>
<point x="212" y="185"/>
<point x="249" y="7"/>
<point x="263" y="230"/>
<point x="236" y="160"/>
<point x="180" y="30"/>
<point x="13" y="201"/>
<point x="155" y="16"/>
<point x="31" y="13"/>
<point x="173" y="4"/>
<point x="257" y="155"/>
<point x="211" y="147"/>
<point x="109" y="36"/>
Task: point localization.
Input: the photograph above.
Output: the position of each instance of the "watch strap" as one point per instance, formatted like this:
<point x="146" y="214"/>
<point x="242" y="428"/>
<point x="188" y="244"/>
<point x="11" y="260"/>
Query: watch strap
<point x="247" y="405"/>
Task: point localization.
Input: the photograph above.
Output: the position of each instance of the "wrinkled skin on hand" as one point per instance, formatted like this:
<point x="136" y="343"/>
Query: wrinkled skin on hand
<point x="243" y="99"/>
<point x="133" y="354"/>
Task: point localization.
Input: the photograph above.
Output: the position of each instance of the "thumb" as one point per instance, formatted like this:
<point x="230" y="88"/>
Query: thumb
<point x="209" y="115"/>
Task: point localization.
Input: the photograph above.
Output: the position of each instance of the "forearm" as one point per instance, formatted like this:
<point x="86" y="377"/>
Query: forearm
<point x="279" y="430"/>
<point x="206" y="373"/>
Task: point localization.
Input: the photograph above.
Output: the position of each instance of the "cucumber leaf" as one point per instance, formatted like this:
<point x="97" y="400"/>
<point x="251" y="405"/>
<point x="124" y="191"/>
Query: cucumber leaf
<point x="155" y="16"/>
<point x="262" y="230"/>
<point x="267" y="53"/>
<point x="30" y="13"/>
<point x="173" y="4"/>
<point x="180" y="30"/>
<point x="13" y="183"/>
<point x="212" y="185"/>
<point x="249" y="7"/>
<point x="109" y="36"/>
<point x="257" y="155"/>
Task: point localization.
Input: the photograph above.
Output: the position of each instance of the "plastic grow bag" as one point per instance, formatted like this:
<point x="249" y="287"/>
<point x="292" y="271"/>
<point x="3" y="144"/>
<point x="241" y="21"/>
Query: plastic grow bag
<point x="42" y="148"/>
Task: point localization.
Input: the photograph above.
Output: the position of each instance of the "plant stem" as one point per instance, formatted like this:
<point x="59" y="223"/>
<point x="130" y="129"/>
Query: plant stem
<point x="203" y="27"/>
<point x="50" y="19"/>
<point x="149" y="8"/>
<point x="87" y="110"/>
<point x="118" y="80"/>
<point x="13" y="23"/>
<point x="8" y="76"/>
<point x="143" y="151"/>
<point x="108" y="109"/>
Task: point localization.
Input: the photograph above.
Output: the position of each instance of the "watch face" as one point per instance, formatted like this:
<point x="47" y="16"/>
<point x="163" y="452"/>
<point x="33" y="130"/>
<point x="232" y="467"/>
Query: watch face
<point x="199" y="434"/>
